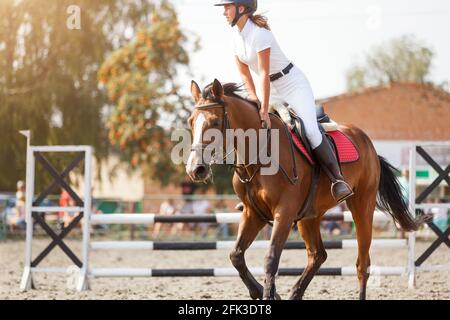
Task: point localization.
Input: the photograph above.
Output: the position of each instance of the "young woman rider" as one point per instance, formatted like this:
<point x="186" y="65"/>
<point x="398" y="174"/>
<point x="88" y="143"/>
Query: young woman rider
<point x="256" y="49"/>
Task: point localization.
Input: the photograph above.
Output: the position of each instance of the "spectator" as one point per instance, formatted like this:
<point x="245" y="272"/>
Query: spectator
<point x="96" y="210"/>
<point x="187" y="190"/>
<point x="201" y="207"/>
<point x="167" y="208"/>
<point x="404" y="182"/>
<point x="440" y="216"/>
<point x="346" y="227"/>
<point x="222" y="228"/>
<point x="333" y="227"/>
<point x="18" y="217"/>
<point x="66" y="201"/>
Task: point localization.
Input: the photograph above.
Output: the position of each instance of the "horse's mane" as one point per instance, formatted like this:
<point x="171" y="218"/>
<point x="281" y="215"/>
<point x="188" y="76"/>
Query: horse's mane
<point x="230" y="89"/>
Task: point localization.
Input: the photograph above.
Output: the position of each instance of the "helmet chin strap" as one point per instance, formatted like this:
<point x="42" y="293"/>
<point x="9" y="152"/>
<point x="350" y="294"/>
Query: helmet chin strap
<point x="237" y="15"/>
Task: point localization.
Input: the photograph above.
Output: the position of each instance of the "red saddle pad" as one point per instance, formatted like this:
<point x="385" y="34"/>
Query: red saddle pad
<point x="347" y="151"/>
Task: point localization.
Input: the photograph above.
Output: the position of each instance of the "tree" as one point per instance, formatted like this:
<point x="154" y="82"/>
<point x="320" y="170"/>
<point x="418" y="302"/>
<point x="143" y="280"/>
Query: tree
<point x="48" y="74"/>
<point x="401" y="59"/>
<point x="140" y="78"/>
<point x="49" y="82"/>
<point x="136" y="123"/>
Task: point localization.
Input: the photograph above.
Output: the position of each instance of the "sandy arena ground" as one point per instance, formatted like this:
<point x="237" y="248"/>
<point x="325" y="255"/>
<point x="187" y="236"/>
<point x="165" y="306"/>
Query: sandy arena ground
<point x="53" y="286"/>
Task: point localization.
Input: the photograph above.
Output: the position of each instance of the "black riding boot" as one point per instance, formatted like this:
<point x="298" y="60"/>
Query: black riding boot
<point x="327" y="160"/>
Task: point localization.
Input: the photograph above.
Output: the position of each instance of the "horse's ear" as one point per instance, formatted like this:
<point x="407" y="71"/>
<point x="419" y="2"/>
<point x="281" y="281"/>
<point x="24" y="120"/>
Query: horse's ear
<point x="195" y="91"/>
<point x="217" y="89"/>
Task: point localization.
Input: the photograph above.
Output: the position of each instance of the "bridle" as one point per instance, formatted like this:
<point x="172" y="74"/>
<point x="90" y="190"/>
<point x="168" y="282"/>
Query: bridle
<point x="226" y="125"/>
<point x="240" y="170"/>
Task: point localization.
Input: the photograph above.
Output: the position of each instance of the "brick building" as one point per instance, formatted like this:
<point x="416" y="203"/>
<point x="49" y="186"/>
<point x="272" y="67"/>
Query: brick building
<point x="400" y="111"/>
<point x="394" y="117"/>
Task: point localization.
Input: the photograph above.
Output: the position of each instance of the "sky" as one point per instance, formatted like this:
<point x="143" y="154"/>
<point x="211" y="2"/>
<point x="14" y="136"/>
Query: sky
<point x="322" y="37"/>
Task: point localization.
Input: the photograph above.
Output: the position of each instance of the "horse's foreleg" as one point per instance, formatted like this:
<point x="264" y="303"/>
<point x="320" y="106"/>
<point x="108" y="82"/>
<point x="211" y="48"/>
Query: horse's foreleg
<point x="249" y="227"/>
<point x="310" y="232"/>
<point x="280" y="232"/>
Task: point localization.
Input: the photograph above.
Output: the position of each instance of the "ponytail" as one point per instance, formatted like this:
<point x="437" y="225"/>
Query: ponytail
<point x="260" y="20"/>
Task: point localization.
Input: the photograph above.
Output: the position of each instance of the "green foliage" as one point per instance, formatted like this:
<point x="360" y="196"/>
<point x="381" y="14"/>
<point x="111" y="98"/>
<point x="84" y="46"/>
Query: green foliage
<point x="140" y="78"/>
<point x="48" y="74"/>
<point x="401" y="59"/>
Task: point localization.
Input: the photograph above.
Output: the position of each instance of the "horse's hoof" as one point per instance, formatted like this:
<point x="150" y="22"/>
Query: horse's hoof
<point x="255" y="295"/>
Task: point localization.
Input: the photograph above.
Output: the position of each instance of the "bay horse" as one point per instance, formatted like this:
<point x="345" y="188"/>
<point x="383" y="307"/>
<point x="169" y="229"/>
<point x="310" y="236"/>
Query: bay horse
<point x="221" y="107"/>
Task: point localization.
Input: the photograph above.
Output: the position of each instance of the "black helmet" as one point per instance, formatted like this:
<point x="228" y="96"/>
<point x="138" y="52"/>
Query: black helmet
<point x="251" y="7"/>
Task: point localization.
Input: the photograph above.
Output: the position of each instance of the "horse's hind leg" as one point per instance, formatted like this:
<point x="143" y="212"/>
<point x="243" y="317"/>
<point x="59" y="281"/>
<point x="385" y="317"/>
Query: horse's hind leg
<point x="249" y="227"/>
<point x="310" y="232"/>
<point x="362" y="207"/>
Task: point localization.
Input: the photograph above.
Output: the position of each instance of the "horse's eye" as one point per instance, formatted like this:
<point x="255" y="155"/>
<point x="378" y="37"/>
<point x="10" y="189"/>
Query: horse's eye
<point x="216" y="123"/>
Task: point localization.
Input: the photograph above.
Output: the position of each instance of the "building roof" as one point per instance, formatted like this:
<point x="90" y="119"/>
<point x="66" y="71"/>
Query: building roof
<point x="399" y="111"/>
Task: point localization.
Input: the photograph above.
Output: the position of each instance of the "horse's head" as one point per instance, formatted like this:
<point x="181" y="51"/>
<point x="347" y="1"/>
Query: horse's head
<point x="209" y="113"/>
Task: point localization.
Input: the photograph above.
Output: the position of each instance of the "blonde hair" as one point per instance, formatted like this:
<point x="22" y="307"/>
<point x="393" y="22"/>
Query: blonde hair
<point x="260" y="20"/>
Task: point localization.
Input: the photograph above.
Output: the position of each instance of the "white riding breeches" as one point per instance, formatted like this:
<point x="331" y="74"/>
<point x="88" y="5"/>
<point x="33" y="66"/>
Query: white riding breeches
<point x="294" y="89"/>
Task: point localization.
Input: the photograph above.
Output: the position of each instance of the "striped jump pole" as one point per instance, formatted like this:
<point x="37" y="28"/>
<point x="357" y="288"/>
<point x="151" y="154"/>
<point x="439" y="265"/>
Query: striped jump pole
<point x="229" y="218"/>
<point x="218" y="245"/>
<point x="231" y="272"/>
<point x="221" y="218"/>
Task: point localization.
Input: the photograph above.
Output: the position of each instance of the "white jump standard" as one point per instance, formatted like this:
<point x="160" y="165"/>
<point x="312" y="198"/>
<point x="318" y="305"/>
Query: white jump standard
<point x="33" y="209"/>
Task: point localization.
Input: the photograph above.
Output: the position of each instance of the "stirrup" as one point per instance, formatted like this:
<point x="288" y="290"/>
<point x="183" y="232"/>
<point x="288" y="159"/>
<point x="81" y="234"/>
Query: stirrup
<point x="351" y="193"/>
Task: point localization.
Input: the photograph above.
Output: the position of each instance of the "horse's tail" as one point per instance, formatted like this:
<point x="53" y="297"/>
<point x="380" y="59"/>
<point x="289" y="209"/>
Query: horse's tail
<point x="391" y="200"/>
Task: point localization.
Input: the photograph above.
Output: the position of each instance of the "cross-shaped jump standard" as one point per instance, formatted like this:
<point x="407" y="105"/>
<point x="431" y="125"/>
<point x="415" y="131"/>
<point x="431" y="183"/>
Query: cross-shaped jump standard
<point x="443" y="237"/>
<point x="59" y="180"/>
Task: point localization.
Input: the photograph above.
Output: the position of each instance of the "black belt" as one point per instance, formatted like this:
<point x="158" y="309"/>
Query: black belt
<point x="283" y="72"/>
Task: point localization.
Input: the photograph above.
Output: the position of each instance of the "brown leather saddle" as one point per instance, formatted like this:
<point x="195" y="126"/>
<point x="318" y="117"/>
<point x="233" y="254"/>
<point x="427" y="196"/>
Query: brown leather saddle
<point x="299" y="128"/>
<point x="296" y="124"/>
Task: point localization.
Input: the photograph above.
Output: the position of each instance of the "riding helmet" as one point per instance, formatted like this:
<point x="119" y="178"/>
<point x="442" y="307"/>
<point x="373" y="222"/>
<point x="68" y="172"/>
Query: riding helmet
<point x="251" y="7"/>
